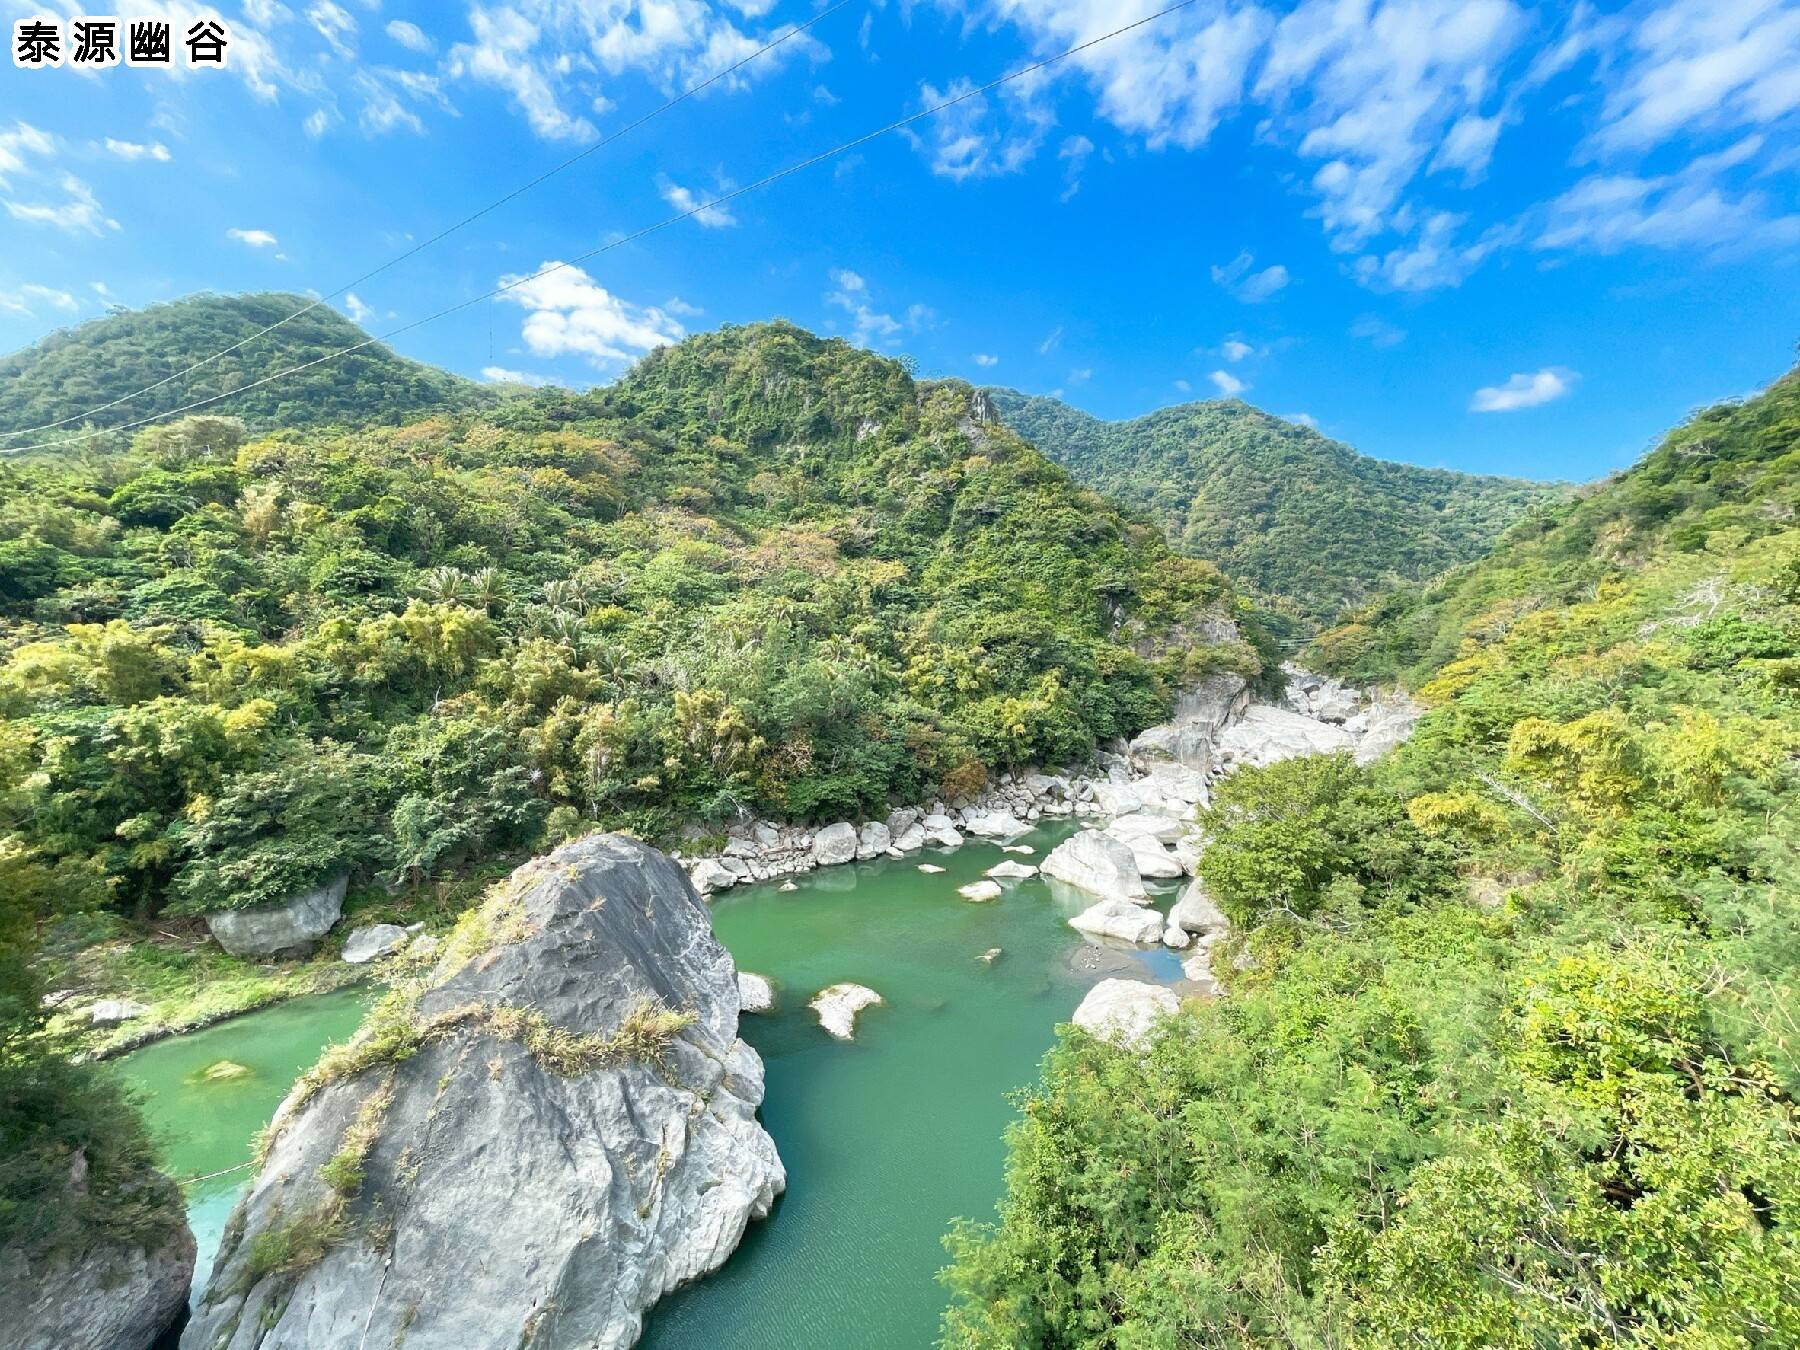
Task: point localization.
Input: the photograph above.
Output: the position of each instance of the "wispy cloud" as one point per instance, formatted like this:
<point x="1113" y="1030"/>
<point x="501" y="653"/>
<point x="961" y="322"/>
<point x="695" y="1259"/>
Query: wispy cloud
<point x="682" y="199"/>
<point x="986" y="360"/>
<point x="1247" y="282"/>
<point x="1228" y="385"/>
<point x="252" y="238"/>
<point x="409" y="35"/>
<point x="79" y="212"/>
<point x="1525" y="391"/>
<point x="133" y="150"/>
<point x="569" y="313"/>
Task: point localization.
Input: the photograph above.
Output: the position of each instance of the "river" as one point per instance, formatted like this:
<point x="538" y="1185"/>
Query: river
<point x="886" y="1139"/>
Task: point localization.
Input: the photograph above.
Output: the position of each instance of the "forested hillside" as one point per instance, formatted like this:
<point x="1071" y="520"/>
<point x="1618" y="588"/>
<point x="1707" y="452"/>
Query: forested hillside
<point x="1508" y="1054"/>
<point x="1276" y="505"/>
<point x="76" y="369"/>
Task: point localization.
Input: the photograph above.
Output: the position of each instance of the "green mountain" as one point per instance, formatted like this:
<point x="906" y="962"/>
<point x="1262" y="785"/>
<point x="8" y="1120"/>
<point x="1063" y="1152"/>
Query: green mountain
<point x="1507" y="1053"/>
<point x="1279" y="507"/>
<point x="110" y="358"/>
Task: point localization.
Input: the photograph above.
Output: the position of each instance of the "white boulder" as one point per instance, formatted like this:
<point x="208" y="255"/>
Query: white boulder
<point x="756" y="993"/>
<point x="1153" y="860"/>
<point x="1197" y="912"/>
<point x="941" y="830"/>
<point x="1097" y="863"/>
<point x="1160" y="828"/>
<point x="873" y="840"/>
<point x="994" y="825"/>
<point x="1122" y="920"/>
<point x="109" y="1012"/>
<point x="1266" y="734"/>
<point x="838" y="1005"/>
<point x="835" y="844"/>
<point x="374" y="940"/>
<point x="1123" y="1012"/>
<point x="709" y="875"/>
<point x="980" y="891"/>
<point x="1012" y="871"/>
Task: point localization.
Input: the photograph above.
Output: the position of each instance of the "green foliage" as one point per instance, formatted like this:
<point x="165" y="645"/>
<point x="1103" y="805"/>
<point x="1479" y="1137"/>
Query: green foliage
<point x="109" y="358"/>
<point x="763" y="571"/>
<point x="1279" y="507"/>
<point x="1508" y="1051"/>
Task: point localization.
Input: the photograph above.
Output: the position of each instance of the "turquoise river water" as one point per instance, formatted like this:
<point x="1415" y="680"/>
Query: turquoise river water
<point x="886" y="1140"/>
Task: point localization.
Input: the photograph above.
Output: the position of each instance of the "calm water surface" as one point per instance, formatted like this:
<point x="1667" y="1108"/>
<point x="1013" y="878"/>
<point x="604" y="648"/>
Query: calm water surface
<point x="886" y="1139"/>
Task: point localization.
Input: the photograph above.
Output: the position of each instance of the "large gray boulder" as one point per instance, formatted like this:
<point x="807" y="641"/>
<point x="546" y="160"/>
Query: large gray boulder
<point x="291" y="926"/>
<point x="1197" y="912"/>
<point x="373" y="940"/>
<point x="1384" y="724"/>
<point x="1121" y="920"/>
<point x="1097" y="863"/>
<point x="108" y="1296"/>
<point x="835" y="844"/>
<point x="1266" y="733"/>
<point x="528" y="1145"/>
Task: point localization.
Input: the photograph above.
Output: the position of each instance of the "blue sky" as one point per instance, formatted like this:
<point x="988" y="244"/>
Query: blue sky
<point x="1473" y="233"/>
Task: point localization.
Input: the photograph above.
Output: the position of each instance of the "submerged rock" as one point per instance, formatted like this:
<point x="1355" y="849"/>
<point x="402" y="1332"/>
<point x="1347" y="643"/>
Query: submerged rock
<point x="980" y="891"/>
<point x="1097" y="863"/>
<point x="1015" y="871"/>
<point x="529" y="1145"/>
<point x="291" y="926"/>
<point x="1125" y="1011"/>
<point x="838" y="1005"/>
<point x="930" y="869"/>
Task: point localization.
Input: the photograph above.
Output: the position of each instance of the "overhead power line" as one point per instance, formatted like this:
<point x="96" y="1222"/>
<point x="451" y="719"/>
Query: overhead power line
<point x="448" y="230"/>
<point x="720" y="200"/>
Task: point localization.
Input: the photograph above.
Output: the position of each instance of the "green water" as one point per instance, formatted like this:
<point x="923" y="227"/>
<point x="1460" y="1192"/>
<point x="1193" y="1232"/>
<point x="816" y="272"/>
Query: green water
<point x="886" y="1139"/>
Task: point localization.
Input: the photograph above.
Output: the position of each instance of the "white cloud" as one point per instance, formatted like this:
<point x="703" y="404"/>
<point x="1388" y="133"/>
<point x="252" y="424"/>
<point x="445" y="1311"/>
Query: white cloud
<point x="1074" y="154"/>
<point x="1249" y="285"/>
<point x="552" y="53"/>
<point x="986" y="360"/>
<point x="1302" y="419"/>
<point x="501" y="375"/>
<point x="681" y="308"/>
<point x="850" y="293"/>
<point x="22" y="140"/>
<point x="356" y="309"/>
<point x="132" y="150"/>
<point x="335" y="25"/>
<point x="31" y="297"/>
<point x="1052" y="340"/>
<point x="1234" y="349"/>
<point x="685" y="201"/>
<point x="1692" y="207"/>
<point x="571" y="313"/>
<point x="1525" y="391"/>
<point x="317" y="121"/>
<point x="1703" y="64"/>
<point x="1080" y="375"/>
<point x="409" y="35"/>
<point x="1228" y="385"/>
<point x="1377" y="331"/>
<point x="389" y="96"/>
<point x="978" y="138"/>
<point x="252" y="238"/>
<point x="1435" y="255"/>
<point x="80" y="213"/>
<point x="1184" y="386"/>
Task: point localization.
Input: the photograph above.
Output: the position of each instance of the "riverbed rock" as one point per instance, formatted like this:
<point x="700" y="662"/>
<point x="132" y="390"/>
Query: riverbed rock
<point x="110" y="1012"/>
<point x="1124" y="1012"/>
<point x="107" y="1296"/>
<point x="547" y="1147"/>
<point x="910" y="840"/>
<point x="709" y="875"/>
<point x="1012" y="871"/>
<point x="994" y="825"/>
<point x="991" y="955"/>
<point x="1153" y="860"/>
<point x="1387" y="721"/>
<point x="873" y="840"/>
<point x="1197" y="912"/>
<point x="1266" y="734"/>
<point x="1122" y="920"/>
<point x="756" y="993"/>
<point x="1159" y="828"/>
<point x="291" y="926"/>
<point x="941" y="830"/>
<point x="1175" y="937"/>
<point x="835" y="844"/>
<point x="373" y="940"/>
<point x="838" y="1005"/>
<point x="980" y="891"/>
<point x="1097" y="863"/>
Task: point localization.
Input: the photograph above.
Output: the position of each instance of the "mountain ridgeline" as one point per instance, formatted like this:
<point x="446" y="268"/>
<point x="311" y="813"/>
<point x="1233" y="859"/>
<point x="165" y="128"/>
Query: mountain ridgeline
<point x="1306" y="521"/>
<point x="52" y="383"/>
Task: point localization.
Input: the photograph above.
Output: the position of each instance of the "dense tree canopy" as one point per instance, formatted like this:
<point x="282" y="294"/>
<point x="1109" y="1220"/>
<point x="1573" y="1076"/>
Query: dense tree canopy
<point x="111" y="358"/>
<point x="1508" y="1054"/>
<point x="764" y="572"/>
<point x="1279" y="507"/>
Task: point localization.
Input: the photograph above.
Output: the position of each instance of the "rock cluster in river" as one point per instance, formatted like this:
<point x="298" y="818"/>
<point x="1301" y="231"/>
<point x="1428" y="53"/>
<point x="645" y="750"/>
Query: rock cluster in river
<point x="546" y="1133"/>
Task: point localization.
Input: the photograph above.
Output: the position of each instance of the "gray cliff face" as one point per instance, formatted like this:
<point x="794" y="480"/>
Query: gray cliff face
<point x="535" y="1174"/>
<point x="106" y="1298"/>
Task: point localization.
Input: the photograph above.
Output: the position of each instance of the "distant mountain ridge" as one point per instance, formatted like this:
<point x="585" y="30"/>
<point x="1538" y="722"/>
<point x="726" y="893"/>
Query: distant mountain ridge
<point x="90" y="365"/>
<point x="1298" y="516"/>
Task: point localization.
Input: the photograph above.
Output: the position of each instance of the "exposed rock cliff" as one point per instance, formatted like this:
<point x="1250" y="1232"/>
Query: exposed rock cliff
<point x="526" y="1145"/>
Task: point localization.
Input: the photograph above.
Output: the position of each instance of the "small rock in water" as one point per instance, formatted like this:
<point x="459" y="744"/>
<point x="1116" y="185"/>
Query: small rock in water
<point x="787" y="886"/>
<point x="931" y="868"/>
<point x="223" y="1071"/>
<point x="988" y="957"/>
<point x="979" y="891"/>
<point x="838" y="1005"/>
<point x="1012" y="869"/>
<point x="1024" y="849"/>
<point x="756" y="993"/>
